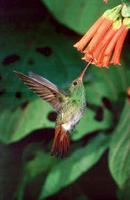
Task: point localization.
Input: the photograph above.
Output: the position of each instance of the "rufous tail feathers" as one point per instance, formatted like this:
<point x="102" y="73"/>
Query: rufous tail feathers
<point x="61" y="142"/>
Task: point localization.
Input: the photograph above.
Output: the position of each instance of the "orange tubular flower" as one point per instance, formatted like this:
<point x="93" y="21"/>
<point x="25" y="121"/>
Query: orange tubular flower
<point x="119" y="45"/>
<point x="89" y="35"/>
<point x="102" y="44"/>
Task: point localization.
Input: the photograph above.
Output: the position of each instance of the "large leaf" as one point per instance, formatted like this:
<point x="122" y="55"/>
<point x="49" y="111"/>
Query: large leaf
<point x="119" y="155"/>
<point x="36" y="163"/>
<point x="89" y="123"/>
<point x="78" y="15"/>
<point x="111" y="84"/>
<point x="69" y="169"/>
<point x="124" y="192"/>
<point x="24" y="120"/>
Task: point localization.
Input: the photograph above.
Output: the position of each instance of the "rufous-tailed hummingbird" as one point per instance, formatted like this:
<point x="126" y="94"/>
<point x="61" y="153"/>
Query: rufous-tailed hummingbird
<point x="70" y="106"/>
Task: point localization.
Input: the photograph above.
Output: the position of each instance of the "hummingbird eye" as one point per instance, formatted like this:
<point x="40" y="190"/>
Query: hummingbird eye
<point x="75" y="83"/>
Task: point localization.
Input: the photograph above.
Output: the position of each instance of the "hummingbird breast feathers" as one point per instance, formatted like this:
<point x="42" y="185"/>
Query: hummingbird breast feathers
<point x="71" y="114"/>
<point x="75" y="118"/>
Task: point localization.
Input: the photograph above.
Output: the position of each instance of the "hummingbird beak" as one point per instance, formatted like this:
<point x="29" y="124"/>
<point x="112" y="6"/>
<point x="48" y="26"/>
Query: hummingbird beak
<point x="83" y="72"/>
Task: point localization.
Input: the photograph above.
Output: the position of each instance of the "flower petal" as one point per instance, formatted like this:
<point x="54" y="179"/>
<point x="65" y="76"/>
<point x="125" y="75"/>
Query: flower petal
<point x="119" y="45"/>
<point x="99" y="35"/>
<point x="105" y="41"/>
<point x="88" y="36"/>
<point x="110" y="47"/>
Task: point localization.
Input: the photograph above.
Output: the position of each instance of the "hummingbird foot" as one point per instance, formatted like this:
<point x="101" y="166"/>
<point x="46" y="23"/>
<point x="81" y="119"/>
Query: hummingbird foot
<point x="61" y="142"/>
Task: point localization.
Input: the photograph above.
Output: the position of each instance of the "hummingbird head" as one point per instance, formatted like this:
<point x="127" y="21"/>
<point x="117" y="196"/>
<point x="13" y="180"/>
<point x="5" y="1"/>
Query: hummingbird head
<point x="77" y="85"/>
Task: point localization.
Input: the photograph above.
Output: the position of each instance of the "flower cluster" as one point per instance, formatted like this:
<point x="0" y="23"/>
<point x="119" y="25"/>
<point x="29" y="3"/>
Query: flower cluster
<point x="102" y="44"/>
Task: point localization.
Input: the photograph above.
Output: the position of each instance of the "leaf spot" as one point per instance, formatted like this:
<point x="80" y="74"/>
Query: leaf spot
<point x="99" y="114"/>
<point x="24" y="104"/>
<point x="107" y="103"/>
<point x="46" y="51"/>
<point x="52" y="116"/>
<point x="30" y="61"/>
<point x="0" y="77"/>
<point x="18" y="94"/>
<point x="10" y="59"/>
<point x="2" y="92"/>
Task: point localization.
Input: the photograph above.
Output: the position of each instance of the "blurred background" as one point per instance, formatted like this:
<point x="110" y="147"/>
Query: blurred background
<point x="38" y="36"/>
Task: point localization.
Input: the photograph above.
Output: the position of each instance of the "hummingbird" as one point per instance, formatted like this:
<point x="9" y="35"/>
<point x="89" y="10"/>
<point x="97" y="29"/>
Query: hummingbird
<point x="70" y="106"/>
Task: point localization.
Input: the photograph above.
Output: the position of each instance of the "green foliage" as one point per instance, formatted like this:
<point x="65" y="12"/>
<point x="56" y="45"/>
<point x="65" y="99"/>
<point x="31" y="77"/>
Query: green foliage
<point x="84" y="127"/>
<point x="66" y="171"/>
<point x="40" y="163"/>
<point x="125" y="191"/>
<point x="42" y="48"/>
<point x="24" y="120"/>
<point x="119" y="156"/>
<point x="41" y="51"/>
<point x="78" y="15"/>
<point x="110" y="83"/>
<point x="25" y="112"/>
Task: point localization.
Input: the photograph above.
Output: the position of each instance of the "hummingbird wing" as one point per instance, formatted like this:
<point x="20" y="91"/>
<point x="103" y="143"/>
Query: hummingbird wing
<point x="61" y="142"/>
<point x="44" y="88"/>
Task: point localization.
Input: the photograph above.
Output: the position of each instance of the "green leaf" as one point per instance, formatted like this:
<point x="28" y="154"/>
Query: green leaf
<point x="119" y="155"/>
<point x="69" y="169"/>
<point x="124" y="193"/>
<point x="39" y="164"/>
<point x="88" y="123"/>
<point x="78" y="15"/>
<point x="24" y="120"/>
<point x="112" y="83"/>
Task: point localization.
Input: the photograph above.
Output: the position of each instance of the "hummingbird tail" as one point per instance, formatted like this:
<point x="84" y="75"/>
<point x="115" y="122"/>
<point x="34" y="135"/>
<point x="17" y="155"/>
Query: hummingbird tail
<point x="61" y="142"/>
